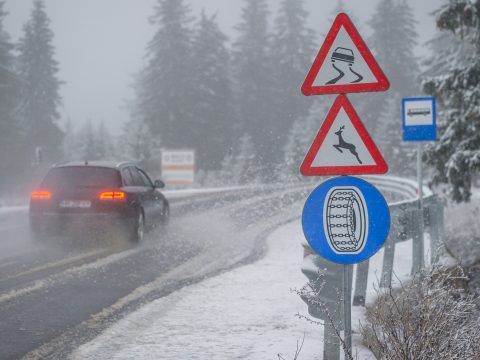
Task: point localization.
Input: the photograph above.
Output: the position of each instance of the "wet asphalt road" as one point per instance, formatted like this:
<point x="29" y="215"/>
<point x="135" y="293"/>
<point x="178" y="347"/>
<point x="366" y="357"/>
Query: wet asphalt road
<point x="56" y="296"/>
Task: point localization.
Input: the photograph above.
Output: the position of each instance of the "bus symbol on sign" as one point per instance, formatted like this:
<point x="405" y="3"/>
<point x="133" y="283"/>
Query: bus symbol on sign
<point x="419" y="119"/>
<point x="421" y="111"/>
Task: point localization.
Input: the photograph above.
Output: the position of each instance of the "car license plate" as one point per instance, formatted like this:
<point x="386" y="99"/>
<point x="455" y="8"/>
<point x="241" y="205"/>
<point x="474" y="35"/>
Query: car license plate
<point x="75" y="204"/>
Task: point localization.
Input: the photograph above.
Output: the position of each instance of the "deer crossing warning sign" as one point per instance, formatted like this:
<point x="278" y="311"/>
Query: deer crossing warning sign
<point x="343" y="146"/>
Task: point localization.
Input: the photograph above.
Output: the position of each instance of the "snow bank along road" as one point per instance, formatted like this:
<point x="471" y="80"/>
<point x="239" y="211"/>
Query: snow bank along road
<point x="55" y="297"/>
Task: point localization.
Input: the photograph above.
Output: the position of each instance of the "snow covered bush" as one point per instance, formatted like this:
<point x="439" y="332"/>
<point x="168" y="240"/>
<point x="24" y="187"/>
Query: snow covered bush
<point x="429" y="318"/>
<point x="462" y="233"/>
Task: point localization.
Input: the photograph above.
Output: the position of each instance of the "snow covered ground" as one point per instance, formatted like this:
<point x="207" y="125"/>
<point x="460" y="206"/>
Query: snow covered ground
<point x="247" y="313"/>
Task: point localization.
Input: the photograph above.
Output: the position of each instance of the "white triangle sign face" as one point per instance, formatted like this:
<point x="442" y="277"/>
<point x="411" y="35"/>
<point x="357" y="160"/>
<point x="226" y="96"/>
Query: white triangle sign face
<point x="344" y="64"/>
<point x="343" y="146"/>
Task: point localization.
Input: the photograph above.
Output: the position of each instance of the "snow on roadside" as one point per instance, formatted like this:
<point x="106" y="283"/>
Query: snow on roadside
<point x="12" y="209"/>
<point x="247" y="313"/>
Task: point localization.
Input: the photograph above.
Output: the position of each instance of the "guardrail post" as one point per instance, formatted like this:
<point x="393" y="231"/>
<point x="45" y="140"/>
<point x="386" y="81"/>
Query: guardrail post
<point x="417" y="241"/>
<point x="434" y="230"/>
<point x="361" y="283"/>
<point x="389" y="254"/>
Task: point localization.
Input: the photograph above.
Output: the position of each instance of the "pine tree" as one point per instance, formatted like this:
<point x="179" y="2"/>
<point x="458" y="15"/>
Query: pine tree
<point x="212" y="94"/>
<point x="88" y="143"/>
<point x="105" y="144"/>
<point x="70" y="143"/>
<point x="10" y="86"/>
<point x="164" y="85"/>
<point x="393" y="41"/>
<point x="138" y="141"/>
<point x="292" y="50"/>
<point x="299" y="140"/>
<point x="255" y="82"/>
<point x="241" y="166"/>
<point x="455" y="157"/>
<point x="40" y="91"/>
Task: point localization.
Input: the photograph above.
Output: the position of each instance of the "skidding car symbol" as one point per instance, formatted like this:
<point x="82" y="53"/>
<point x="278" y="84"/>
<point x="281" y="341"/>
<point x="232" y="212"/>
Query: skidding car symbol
<point x="343" y="54"/>
<point x="419" y="111"/>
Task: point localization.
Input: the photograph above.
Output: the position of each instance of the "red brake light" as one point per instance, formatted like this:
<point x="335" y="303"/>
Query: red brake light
<point x="41" y="195"/>
<point x="112" y="195"/>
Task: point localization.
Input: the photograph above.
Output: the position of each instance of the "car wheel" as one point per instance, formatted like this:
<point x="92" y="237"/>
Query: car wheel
<point x="39" y="235"/>
<point x="166" y="215"/>
<point x="139" y="227"/>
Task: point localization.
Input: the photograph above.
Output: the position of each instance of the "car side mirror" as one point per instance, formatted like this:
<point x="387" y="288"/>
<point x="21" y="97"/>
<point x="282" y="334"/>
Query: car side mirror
<point x="159" y="184"/>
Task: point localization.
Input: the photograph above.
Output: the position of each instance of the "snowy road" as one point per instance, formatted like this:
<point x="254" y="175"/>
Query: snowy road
<point x="53" y="298"/>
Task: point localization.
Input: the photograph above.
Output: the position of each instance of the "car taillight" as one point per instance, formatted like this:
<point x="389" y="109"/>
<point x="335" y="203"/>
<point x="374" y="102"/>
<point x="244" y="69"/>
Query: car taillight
<point x="41" y="195"/>
<point x="112" y="195"/>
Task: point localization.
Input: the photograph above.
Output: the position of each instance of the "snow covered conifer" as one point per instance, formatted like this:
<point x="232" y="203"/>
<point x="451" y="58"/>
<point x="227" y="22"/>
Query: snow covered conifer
<point x="105" y="143"/>
<point x="241" y="165"/>
<point x="393" y="41"/>
<point x="164" y="85"/>
<point x="40" y="86"/>
<point x="10" y="84"/>
<point x="255" y="82"/>
<point x="88" y="143"/>
<point x="455" y="157"/>
<point x="212" y="94"/>
<point x="292" y="51"/>
<point x="299" y="140"/>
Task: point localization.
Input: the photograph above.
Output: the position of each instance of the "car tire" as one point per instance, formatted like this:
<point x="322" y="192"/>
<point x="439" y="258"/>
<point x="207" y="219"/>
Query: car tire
<point x="165" y="216"/>
<point x="138" y="230"/>
<point x="39" y="235"/>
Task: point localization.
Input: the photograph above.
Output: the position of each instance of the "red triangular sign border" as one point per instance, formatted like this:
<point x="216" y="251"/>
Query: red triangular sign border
<point x="382" y="84"/>
<point x="380" y="166"/>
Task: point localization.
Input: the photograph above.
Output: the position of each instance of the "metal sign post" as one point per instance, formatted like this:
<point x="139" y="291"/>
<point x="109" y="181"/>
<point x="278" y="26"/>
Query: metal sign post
<point x="420" y="175"/>
<point x="345" y="220"/>
<point x="419" y="120"/>
<point x="347" y="306"/>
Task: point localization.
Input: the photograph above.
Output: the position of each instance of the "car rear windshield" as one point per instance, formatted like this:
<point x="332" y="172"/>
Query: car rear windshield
<point x="82" y="177"/>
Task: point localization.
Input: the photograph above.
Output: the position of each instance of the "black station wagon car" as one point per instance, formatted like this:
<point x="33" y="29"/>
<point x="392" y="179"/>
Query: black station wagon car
<point x="97" y="194"/>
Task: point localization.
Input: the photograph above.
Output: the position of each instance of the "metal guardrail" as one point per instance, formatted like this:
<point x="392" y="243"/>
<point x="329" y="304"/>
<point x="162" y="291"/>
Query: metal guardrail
<point x="408" y="221"/>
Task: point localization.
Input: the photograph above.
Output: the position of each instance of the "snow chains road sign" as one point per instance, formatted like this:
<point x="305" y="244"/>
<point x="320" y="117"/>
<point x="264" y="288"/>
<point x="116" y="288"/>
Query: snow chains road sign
<point x="419" y="119"/>
<point x="343" y="146"/>
<point x="344" y="64"/>
<point x="346" y="220"/>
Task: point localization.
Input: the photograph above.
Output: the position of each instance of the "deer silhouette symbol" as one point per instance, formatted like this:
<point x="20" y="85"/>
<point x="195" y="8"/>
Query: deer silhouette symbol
<point x="342" y="144"/>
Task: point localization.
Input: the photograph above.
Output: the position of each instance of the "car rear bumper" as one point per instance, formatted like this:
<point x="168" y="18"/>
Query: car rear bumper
<point x="79" y="222"/>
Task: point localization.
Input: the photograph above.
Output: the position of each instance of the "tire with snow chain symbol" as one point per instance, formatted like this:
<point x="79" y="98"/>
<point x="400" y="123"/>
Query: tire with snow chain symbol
<point x="346" y="220"/>
<point x="345" y="217"/>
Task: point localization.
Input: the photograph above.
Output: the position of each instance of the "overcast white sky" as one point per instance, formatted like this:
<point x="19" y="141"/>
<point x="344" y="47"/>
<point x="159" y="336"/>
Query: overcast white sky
<point x="100" y="44"/>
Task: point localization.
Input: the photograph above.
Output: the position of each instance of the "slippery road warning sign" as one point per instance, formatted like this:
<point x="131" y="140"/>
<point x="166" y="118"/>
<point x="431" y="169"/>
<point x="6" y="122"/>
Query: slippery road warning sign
<point x="346" y="220"/>
<point x="343" y="146"/>
<point x="344" y="64"/>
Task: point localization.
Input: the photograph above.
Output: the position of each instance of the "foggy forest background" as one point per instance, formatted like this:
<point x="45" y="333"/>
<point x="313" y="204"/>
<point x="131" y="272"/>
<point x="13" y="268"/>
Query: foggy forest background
<point x="237" y="101"/>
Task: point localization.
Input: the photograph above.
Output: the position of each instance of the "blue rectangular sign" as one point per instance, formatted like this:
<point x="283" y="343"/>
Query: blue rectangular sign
<point x="419" y="119"/>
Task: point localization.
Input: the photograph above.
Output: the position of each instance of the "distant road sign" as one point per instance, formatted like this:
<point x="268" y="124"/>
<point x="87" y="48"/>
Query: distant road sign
<point x="343" y="146"/>
<point x="346" y="220"/>
<point x="178" y="167"/>
<point x="419" y="119"/>
<point x="344" y="64"/>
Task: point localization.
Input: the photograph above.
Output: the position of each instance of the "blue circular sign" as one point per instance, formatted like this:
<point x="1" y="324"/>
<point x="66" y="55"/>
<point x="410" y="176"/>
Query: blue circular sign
<point x="346" y="220"/>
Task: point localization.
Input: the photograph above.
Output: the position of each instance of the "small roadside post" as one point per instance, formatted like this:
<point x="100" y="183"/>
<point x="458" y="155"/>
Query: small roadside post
<point x="419" y="122"/>
<point x="345" y="220"/>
